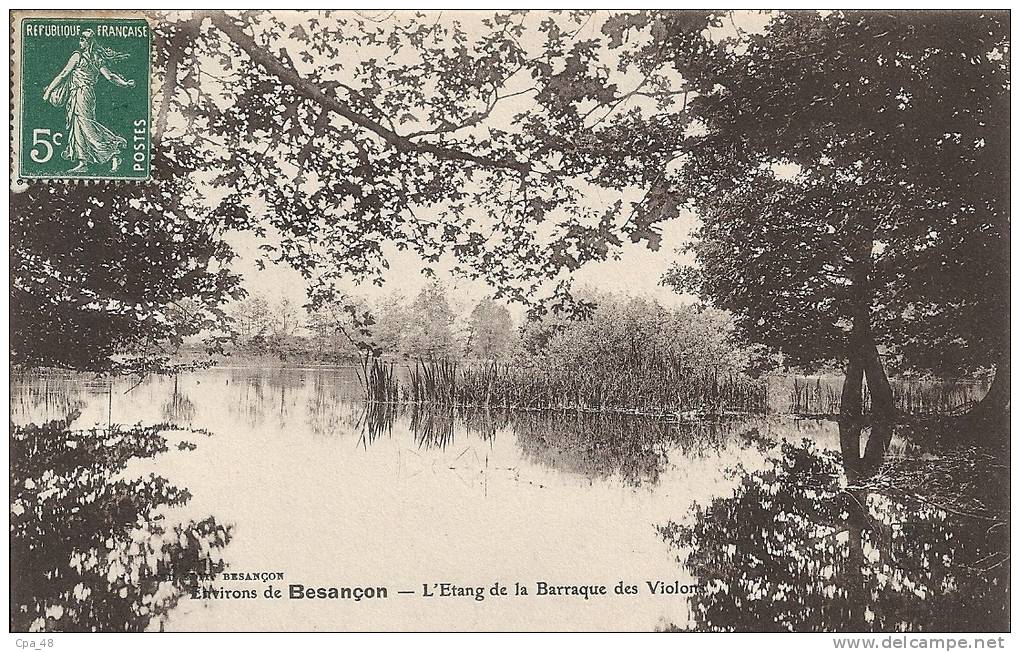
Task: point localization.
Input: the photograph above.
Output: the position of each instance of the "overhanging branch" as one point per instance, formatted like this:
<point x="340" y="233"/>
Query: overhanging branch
<point x="313" y="92"/>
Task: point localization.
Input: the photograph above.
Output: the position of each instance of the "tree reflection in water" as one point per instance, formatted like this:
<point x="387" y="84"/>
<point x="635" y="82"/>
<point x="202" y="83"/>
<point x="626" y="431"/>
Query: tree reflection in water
<point x="817" y="542"/>
<point x="88" y="552"/>
<point x="635" y="448"/>
<point x="594" y="445"/>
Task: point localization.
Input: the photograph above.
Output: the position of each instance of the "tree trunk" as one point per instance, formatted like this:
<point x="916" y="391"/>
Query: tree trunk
<point x="850" y="449"/>
<point x="862" y="351"/>
<point x="864" y="363"/>
<point x="997" y="401"/>
<point x="878" y="444"/>
<point x="856" y="466"/>
<point x="882" y="405"/>
<point x="850" y="405"/>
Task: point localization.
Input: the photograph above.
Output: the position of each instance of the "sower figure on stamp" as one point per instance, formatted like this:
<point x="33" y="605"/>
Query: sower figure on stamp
<point x="88" y="141"/>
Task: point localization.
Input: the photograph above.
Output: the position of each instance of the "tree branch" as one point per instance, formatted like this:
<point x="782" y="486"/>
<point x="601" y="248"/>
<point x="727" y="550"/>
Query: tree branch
<point x="313" y="92"/>
<point x="170" y="79"/>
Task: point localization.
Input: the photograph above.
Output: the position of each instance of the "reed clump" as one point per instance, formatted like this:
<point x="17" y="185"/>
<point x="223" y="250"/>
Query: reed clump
<point x="626" y="354"/>
<point x="660" y="389"/>
<point x="379" y="380"/>
<point x="813" y="398"/>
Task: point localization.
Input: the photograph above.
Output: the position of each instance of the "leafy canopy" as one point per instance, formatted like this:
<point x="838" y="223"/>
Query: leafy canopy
<point x="831" y="143"/>
<point x="517" y="145"/>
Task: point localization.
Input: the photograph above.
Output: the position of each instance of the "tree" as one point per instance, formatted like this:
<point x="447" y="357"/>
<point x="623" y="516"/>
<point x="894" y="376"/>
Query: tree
<point x="286" y="319"/>
<point x="357" y="151"/>
<point x="377" y="132"/>
<point x="429" y="333"/>
<point x="420" y="155"/>
<point x="392" y="322"/>
<point x="895" y="130"/>
<point x="81" y="511"/>
<point x="343" y="330"/>
<point x="866" y="572"/>
<point x="251" y="318"/>
<point x="634" y="333"/>
<point x="859" y="200"/>
<point x="411" y="145"/>
<point x="490" y="330"/>
<point x="114" y="279"/>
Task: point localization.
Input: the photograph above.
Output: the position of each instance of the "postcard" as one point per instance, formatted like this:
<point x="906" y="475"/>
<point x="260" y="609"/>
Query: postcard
<point x="510" y="321"/>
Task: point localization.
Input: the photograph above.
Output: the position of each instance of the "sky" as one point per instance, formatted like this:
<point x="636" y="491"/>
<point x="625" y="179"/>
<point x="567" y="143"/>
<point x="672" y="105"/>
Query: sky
<point x="637" y="271"/>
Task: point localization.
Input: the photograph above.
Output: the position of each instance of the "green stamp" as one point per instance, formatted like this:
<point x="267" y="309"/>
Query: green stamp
<point x="84" y="109"/>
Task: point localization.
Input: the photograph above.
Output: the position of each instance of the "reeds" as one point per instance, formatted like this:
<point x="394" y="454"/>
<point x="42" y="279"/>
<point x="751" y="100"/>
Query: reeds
<point x="433" y="382"/>
<point x="655" y="387"/>
<point x="811" y="399"/>
<point x="930" y="397"/>
<point x="820" y="396"/>
<point x="650" y="389"/>
<point x="379" y="380"/>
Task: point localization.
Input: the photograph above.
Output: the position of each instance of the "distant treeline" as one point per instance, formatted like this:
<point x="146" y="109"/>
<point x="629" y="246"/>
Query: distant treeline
<point x="622" y="353"/>
<point x="425" y="327"/>
<point x="618" y="332"/>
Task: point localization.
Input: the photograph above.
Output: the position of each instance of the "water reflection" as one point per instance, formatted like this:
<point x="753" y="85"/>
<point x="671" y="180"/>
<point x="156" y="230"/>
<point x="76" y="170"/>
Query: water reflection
<point x="50" y="394"/>
<point x="90" y="552"/>
<point x="179" y="410"/>
<point x="820" y="541"/>
<point x="375" y="421"/>
<point x="804" y="536"/>
<point x="631" y="447"/>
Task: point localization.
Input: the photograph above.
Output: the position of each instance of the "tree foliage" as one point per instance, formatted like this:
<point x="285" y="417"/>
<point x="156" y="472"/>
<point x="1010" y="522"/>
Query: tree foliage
<point x="429" y="332"/>
<point x="398" y="133"/>
<point x="115" y="277"/>
<point x="251" y="318"/>
<point x="882" y="162"/>
<point x="793" y="548"/>
<point x="633" y="333"/>
<point x="841" y="162"/>
<point x="92" y="548"/>
<point x="491" y="330"/>
<point x="889" y="146"/>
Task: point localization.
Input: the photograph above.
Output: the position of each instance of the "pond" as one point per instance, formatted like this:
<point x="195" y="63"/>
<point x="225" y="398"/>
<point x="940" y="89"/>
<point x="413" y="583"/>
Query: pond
<point x="757" y="520"/>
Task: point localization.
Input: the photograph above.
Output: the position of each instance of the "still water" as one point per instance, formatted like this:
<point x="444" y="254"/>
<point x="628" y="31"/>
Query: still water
<point x="288" y="471"/>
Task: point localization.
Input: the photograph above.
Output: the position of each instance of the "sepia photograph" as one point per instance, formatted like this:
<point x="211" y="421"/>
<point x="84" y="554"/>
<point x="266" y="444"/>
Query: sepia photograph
<point x="476" y="320"/>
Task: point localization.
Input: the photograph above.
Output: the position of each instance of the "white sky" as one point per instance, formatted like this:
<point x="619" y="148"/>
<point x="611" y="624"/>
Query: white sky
<point x="637" y="271"/>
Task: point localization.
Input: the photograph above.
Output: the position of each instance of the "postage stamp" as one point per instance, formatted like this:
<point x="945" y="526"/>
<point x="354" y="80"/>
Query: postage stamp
<point x="84" y="107"/>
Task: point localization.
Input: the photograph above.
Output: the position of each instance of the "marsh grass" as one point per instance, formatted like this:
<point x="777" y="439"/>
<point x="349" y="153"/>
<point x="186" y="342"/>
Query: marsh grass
<point x="820" y="396"/>
<point x="433" y="382"/>
<point x="379" y="380"/>
<point x="659" y="389"/>
<point x="813" y="398"/>
<point x="933" y="397"/>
